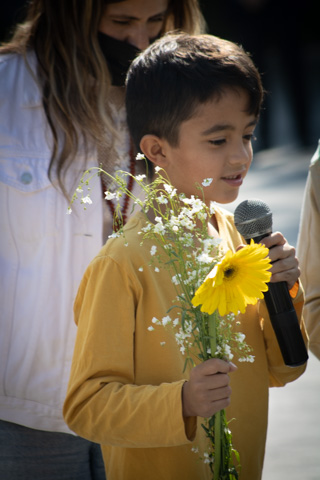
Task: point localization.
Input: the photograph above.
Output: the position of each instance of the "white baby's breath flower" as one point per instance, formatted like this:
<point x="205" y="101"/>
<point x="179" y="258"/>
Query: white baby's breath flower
<point x="140" y="156"/>
<point x="155" y="321"/>
<point x="166" y="320"/>
<point x="153" y="250"/>
<point x="87" y="200"/>
<point x="162" y="199"/>
<point x="141" y="269"/>
<point x="249" y="359"/>
<point x="157" y="169"/>
<point x="195" y="449"/>
<point x="156" y="270"/>
<point x="147" y="228"/>
<point x="169" y="189"/>
<point x="79" y="189"/>
<point x="176" y="279"/>
<point x="228" y="353"/>
<point x="140" y="177"/>
<point x="69" y="211"/>
<point x="162" y="344"/>
<point x="206" y="182"/>
<point x="151" y="328"/>
<point x="205" y="258"/>
<point x="109" y="195"/>
<point x="240" y="337"/>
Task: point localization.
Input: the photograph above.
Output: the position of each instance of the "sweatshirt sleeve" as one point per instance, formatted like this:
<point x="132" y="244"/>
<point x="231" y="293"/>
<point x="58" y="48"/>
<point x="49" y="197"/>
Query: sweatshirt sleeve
<point x="103" y="403"/>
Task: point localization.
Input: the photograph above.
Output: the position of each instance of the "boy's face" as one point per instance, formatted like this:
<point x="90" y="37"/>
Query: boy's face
<point x="215" y="143"/>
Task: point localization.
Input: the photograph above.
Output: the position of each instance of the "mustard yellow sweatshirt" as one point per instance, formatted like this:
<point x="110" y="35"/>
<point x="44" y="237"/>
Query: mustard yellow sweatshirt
<point x="125" y="385"/>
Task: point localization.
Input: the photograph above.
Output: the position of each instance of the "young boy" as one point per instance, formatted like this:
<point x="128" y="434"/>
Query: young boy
<point x="192" y="104"/>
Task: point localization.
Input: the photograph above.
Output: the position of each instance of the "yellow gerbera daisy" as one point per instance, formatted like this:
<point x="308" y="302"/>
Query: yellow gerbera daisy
<point x="238" y="280"/>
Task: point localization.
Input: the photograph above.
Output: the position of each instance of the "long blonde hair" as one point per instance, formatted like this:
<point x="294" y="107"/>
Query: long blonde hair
<point x="72" y="71"/>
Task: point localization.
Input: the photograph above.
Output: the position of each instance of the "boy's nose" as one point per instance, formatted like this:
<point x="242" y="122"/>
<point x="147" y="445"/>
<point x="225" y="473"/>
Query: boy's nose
<point x="242" y="155"/>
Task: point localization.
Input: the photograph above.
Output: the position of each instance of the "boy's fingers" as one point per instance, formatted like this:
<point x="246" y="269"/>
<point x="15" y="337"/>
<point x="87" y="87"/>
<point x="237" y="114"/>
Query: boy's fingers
<point x="216" y="365"/>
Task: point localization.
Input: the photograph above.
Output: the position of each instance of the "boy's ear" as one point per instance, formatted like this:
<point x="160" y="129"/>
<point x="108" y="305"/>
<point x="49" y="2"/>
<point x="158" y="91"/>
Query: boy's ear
<point x="153" y="148"/>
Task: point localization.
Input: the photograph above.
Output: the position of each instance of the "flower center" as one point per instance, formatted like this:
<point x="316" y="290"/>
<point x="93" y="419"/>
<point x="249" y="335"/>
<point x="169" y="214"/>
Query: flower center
<point x="229" y="273"/>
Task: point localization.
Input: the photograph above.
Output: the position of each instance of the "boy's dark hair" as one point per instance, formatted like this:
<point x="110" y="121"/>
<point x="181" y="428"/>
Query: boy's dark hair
<point x="167" y="82"/>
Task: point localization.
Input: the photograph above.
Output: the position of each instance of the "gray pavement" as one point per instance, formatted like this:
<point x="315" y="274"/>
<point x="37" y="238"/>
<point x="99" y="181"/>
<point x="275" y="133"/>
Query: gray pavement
<point x="278" y="178"/>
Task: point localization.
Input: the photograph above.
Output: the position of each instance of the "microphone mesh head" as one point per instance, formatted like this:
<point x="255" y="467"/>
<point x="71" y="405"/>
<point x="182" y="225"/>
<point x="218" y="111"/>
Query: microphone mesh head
<point x="253" y="218"/>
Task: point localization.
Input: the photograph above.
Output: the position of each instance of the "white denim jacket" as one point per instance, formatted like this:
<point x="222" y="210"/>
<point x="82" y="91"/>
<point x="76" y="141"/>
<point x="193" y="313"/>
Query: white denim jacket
<point x="43" y="255"/>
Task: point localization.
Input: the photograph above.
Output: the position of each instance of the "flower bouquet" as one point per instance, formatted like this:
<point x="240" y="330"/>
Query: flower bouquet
<point x="211" y="286"/>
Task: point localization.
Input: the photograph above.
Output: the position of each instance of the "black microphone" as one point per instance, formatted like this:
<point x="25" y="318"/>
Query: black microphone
<point x="253" y="220"/>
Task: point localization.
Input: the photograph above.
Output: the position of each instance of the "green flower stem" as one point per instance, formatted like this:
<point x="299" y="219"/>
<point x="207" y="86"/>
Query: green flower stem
<point x="217" y="417"/>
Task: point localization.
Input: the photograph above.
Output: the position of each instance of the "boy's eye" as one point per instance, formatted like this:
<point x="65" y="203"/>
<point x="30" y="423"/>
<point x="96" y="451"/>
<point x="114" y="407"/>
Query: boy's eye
<point x="249" y="137"/>
<point x="219" y="141"/>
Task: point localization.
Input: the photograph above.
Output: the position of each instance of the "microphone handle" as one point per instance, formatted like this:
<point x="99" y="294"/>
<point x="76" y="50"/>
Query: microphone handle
<point x="285" y="324"/>
<point x="284" y="321"/>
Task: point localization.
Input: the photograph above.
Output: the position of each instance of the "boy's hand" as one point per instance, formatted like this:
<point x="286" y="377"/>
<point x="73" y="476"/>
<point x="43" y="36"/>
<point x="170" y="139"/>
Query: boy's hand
<point x="208" y="389"/>
<point x="285" y="265"/>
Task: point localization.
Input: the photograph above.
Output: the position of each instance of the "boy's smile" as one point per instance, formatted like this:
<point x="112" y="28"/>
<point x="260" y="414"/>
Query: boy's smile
<point x="214" y="143"/>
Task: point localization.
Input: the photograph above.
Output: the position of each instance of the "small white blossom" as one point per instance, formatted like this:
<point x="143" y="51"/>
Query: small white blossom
<point x="228" y="352"/>
<point x="212" y="209"/>
<point x="166" y="320"/>
<point x="162" y="343"/>
<point x="205" y="258"/>
<point x="195" y="449"/>
<point x="147" y="228"/>
<point x="79" y="189"/>
<point x="141" y="269"/>
<point x="162" y="199"/>
<point x="140" y="177"/>
<point x="86" y="199"/>
<point x="69" y="211"/>
<point x="176" y="279"/>
<point x="240" y="337"/>
<point x="207" y="182"/>
<point x="156" y="270"/>
<point x="140" y="156"/>
<point x="155" y="321"/>
<point x="153" y="250"/>
<point x="157" y="169"/>
<point x="151" y="328"/>
<point x="159" y="227"/>
<point x="169" y="189"/>
<point x="109" y="195"/>
<point x="249" y="358"/>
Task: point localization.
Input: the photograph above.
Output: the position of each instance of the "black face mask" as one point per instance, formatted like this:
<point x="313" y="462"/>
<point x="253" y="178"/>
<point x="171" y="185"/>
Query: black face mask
<point x="118" y="55"/>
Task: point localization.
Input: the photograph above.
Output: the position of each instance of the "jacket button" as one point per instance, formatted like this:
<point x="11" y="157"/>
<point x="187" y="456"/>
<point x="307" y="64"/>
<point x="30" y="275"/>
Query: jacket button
<point x="26" y="178"/>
